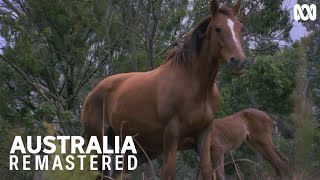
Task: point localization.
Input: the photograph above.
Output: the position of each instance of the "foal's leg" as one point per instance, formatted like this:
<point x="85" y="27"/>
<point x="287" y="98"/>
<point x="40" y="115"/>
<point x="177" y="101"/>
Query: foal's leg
<point x="217" y="159"/>
<point x="170" y="147"/>
<point x="203" y="145"/>
<point x="271" y="154"/>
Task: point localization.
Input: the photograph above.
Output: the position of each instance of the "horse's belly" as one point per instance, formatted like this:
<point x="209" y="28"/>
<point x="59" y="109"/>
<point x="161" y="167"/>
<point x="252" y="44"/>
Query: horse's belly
<point x="134" y="119"/>
<point x="145" y="129"/>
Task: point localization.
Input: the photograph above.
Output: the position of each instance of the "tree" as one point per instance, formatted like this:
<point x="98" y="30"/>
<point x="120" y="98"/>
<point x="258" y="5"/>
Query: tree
<point x="56" y="48"/>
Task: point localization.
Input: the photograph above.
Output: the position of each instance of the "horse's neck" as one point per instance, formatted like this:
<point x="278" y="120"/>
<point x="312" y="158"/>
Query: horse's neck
<point x="205" y="68"/>
<point x="201" y="73"/>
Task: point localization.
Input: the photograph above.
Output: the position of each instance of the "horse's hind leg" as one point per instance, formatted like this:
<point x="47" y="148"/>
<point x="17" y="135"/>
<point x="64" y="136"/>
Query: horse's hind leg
<point x="285" y="163"/>
<point x="271" y="154"/>
<point x="280" y="155"/>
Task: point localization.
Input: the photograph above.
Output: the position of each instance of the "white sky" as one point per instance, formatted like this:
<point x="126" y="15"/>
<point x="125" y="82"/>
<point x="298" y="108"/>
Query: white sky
<point x="298" y="30"/>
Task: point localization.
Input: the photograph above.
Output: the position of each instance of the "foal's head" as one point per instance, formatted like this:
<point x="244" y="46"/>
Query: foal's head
<point x="225" y="29"/>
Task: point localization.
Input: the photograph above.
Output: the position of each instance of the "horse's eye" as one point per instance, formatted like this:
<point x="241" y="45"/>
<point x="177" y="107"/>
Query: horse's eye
<point x="218" y="29"/>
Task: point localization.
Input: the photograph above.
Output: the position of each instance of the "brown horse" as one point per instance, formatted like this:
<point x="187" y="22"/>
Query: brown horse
<point x="253" y="127"/>
<point x="163" y="106"/>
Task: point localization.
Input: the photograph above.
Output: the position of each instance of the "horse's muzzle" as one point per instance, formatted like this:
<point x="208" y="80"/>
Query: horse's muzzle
<point x="237" y="65"/>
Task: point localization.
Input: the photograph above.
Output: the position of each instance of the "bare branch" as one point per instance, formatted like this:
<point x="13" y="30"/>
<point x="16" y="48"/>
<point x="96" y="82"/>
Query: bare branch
<point x="25" y="77"/>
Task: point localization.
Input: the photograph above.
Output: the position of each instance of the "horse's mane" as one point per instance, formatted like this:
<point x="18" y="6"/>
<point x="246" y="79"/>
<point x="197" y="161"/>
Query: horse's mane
<point x="183" y="54"/>
<point x="190" y="48"/>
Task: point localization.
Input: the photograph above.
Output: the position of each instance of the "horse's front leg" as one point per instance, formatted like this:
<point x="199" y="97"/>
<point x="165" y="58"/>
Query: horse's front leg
<point x="170" y="147"/>
<point x="203" y="145"/>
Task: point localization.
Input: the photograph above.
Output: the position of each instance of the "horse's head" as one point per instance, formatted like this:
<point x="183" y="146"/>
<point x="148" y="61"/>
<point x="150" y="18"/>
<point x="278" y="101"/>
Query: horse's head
<point x="226" y="30"/>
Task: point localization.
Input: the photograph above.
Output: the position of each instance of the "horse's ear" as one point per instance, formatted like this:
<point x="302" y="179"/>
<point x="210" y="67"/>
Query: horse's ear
<point x="214" y="7"/>
<point x="236" y="8"/>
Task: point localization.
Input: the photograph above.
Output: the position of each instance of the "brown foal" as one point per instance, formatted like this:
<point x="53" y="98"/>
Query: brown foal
<point x="253" y="127"/>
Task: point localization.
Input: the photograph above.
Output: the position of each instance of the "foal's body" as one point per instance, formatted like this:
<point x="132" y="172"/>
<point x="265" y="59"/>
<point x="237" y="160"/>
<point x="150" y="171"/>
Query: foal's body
<point x="253" y="127"/>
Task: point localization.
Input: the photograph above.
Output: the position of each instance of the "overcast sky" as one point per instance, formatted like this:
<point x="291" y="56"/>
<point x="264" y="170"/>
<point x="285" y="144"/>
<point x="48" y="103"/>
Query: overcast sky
<point x="298" y="31"/>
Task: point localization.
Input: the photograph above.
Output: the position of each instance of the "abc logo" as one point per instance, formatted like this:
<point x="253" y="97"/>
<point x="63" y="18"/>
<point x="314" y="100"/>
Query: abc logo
<point x="298" y="12"/>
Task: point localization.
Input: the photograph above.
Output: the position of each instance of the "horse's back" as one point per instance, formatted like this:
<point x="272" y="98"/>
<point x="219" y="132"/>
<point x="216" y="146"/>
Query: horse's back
<point x="92" y="109"/>
<point x="232" y="130"/>
<point x="258" y="121"/>
<point x="116" y="85"/>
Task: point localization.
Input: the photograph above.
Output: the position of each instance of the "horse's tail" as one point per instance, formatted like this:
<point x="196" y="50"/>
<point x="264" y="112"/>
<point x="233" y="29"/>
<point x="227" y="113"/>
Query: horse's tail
<point x="92" y="116"/>
<point x="95" y="122"/>
<point x="84" y="119"/>
<point x="111" y="137"/>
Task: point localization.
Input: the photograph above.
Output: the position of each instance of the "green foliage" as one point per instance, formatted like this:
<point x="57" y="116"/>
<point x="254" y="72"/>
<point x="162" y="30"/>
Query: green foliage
<point x="267" y="85"/>
<point x="313" y="57"/>
<point x="7" y="133"/>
